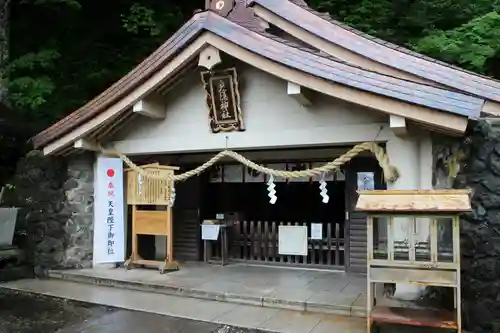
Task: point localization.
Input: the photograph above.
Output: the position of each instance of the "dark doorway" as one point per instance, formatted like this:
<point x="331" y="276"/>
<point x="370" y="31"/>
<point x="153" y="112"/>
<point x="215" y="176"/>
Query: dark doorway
<point x="254" y="236"/>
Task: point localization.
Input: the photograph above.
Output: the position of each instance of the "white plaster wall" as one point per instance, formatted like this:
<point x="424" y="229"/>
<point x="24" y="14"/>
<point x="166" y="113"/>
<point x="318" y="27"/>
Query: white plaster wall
<point x="272" y="119"/>
<point x="412" y="156"/>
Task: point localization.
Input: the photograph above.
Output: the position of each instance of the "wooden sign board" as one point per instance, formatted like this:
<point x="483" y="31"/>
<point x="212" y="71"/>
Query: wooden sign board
<point x="223" y="100"/>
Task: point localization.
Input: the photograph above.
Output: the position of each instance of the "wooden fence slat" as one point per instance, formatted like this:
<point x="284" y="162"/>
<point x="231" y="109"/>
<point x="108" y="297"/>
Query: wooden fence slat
<point x="266" y="241"/>
<point x="337" y="244"/>
<point x="313" y="251"/>
<point x="237" y="240"/>
<point x="245" y="240"/>
<point x="296" y="259"/>
<point x="274" y="242"/>
<point x="289" y="258"/>
<point x="303" y="260"/>
<point x="233" y="235"/>
<point x="320" y="247"/>
<point x="259" y="243"/>
<point x="329" y="242"/>
<point x="252" y="240"/>
<point x="281" y="258"/>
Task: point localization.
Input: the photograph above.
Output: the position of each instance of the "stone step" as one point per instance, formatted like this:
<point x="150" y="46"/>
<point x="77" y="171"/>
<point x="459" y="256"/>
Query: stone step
<point x="246" y="316"/>
<point x="237" y="298"/>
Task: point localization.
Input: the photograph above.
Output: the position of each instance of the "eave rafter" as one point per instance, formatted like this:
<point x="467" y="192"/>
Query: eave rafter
<point x="299" y="93"/>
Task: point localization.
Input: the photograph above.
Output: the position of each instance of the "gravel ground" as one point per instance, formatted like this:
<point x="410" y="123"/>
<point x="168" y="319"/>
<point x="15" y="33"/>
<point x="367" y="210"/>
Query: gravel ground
<point x="29" y="313"/>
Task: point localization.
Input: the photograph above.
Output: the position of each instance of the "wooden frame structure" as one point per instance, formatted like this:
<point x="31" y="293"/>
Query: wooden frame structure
<point x="424" y="263"/>
<point x="154" y="193"/>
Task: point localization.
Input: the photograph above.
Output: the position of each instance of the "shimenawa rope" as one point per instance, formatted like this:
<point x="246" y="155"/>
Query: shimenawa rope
<point x="390" y="172"/>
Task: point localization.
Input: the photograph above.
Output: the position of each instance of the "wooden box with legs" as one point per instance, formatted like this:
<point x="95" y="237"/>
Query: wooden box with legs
<point x="413" y="238"/>
<point x="150" y="198"/>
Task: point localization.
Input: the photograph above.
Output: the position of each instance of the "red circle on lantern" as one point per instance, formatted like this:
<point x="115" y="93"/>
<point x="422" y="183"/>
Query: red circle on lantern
<point x="110" y="172"/>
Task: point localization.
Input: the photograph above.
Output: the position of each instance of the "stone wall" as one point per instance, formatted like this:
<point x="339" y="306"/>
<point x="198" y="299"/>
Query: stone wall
<point x="55" y="197"/>
<point x="476" y="164"/>
<point x="79" y="191"/>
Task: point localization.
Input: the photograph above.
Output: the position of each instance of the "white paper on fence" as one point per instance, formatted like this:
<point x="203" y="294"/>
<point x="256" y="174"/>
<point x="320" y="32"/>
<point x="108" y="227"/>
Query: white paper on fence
<point x="233" y="173"/>
<point x="292" y="240"/>
<point x="297" y="167"/>
<point x="210" y="231"/>
<point x="316" y="231"/>
<point x="277" y="166"/>
<point x="329" y="177"/>
<point x="253" y="176"/>
<point x="109" y="171"/>
<point x="366" y="181"/>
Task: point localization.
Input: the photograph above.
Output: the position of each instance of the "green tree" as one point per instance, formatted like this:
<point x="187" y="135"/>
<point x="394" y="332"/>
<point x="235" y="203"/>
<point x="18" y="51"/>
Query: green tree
<point x="65" y="52"/>
<point x="474" y="45"/>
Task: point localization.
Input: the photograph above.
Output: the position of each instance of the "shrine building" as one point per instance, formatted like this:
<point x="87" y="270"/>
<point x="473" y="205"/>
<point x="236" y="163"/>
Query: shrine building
<point x="288" y="88"/>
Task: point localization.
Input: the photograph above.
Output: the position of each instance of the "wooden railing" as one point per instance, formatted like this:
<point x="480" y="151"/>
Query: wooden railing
<point x="257" y="241"/>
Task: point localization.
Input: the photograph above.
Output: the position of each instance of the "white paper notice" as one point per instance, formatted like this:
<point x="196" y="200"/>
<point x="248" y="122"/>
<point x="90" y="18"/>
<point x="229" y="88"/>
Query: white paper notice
<point x="210" y="231"/>
<point x="292" y="240"/>
<point x="366" y="181"/>
<point x="316" y="231"/>
<point x="109" y="223"/>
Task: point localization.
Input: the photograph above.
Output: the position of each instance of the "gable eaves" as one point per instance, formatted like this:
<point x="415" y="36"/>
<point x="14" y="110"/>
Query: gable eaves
<point x="388" y="54"/>
<point x="187" y="33"/>
<point x="284" y="53"/>
<point x="330" y="69"/>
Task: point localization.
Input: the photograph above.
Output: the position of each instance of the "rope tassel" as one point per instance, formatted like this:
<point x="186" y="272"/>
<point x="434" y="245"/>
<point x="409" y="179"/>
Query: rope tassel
<point x="271" y="190"/>
<point x="323" y="191"/>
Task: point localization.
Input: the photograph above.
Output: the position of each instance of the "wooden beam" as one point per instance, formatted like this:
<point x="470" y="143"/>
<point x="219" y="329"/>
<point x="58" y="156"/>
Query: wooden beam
<point x="398" y="125"/>
<point x="209" y="57"/>
<point x="152" y="106"/>
<point x="86" y="144"/>
<point x="330" y="134"/>
<point x="491" y="108"/>
<point x="299" y="93"/>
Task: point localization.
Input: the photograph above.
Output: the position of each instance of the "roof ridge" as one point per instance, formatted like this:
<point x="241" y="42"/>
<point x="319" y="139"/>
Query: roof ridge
<point x="327" y="56"/>
<point x="332" y="58"/>
<point x="328" y="17"/>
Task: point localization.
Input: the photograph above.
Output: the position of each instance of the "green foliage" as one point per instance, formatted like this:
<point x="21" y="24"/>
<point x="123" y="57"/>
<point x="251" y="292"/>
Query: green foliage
<point x="28" y="92"/>
<point x="70" y="3"/>
<point x="461" y="32"/>
<point x="140" y="18"/>
<point x="471" y="45"/>
<point x="65" y="52"/>
<point x="30" y="61"/>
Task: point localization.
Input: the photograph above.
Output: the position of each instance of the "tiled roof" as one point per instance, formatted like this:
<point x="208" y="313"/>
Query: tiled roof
<point x="391" y="55"/>
<point x="278" y="49"/>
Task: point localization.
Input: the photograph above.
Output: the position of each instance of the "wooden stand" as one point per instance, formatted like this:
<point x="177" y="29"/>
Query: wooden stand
<point x="429" y="262"/>
<point x="224" y="246"/>
<point x="153" y="193"/>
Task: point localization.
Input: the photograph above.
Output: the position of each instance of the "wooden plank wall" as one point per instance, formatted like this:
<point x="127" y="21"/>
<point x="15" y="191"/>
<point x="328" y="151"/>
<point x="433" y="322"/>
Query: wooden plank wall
<point x="356" y="222"/>
<point x="186" y="219"/>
